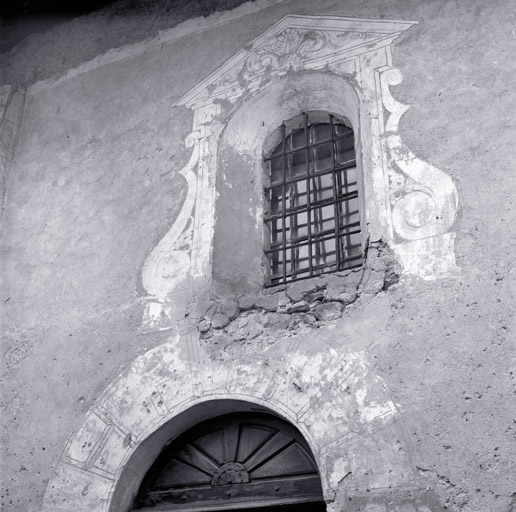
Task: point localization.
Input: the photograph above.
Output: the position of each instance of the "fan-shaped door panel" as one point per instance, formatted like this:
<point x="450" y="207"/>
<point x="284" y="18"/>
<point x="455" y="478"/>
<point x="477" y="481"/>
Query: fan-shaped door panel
<point x="233" y="461"/>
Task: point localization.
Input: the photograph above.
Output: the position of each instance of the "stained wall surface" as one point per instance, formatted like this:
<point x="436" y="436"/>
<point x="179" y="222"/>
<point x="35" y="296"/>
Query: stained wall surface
<point x="94" y="184"/>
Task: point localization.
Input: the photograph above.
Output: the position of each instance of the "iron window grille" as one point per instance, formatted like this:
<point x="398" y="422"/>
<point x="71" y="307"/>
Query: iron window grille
<point x="312" y="202"/>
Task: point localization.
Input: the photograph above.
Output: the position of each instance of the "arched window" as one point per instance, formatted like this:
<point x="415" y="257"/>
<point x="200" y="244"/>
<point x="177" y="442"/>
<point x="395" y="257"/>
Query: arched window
<point x="312" y="213"/>
<point x="239" y="461"/>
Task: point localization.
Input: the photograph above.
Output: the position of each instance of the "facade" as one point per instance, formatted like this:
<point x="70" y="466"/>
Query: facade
<point x="284" y="231"/>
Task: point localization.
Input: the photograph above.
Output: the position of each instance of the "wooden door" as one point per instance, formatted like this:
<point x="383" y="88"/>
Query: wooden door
<point x="236" y="461"/>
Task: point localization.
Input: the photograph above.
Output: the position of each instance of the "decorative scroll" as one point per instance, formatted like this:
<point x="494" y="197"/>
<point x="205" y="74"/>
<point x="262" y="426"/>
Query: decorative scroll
<point x="424" y="203"/>
<point x="362" y="35"/>
<point x="169" y="261"/>
<point x="289" y="48"/>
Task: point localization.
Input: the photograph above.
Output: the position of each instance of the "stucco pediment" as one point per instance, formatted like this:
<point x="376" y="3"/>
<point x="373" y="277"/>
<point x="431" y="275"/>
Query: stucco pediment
<point x="295" y="43"/>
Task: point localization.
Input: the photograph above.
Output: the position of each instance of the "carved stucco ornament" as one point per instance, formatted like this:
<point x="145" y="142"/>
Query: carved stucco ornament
<point x="426" y="205"/>
<point x="424" y="199"/>
<point x="166" y="268"/>
<point x="409" y="203"/>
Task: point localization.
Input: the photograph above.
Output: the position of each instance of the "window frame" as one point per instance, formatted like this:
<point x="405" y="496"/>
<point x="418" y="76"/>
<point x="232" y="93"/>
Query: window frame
<point x="270" y="146"/>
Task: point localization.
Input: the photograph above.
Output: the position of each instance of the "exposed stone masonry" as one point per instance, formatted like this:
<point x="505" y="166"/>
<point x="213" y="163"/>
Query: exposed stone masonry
<point x="294" y="307"/>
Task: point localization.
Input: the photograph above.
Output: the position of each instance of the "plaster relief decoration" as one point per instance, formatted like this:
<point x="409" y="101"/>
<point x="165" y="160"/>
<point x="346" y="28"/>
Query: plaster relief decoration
<point x="166" y="268"/>
<point x="410" y="204"/>
<point x="296" y="43"/>
<point x="423" y="198"/>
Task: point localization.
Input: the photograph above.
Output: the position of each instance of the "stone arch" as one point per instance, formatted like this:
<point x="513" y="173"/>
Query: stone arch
<point x="326" y="391"/>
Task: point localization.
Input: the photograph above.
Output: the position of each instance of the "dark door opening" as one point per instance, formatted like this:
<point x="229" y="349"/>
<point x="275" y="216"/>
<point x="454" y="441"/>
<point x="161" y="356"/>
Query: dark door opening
<point x="239" y="461"/>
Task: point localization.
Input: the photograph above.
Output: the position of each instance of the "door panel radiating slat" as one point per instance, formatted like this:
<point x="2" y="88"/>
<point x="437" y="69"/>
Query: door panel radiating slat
<point x="233" y="462"/>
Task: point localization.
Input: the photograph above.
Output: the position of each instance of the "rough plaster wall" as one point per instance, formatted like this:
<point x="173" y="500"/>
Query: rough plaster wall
<point x="12" y="99"/>
<point x="54" y="51"/>
<point x="93" y="187"/>
<point x="463" y="121"/>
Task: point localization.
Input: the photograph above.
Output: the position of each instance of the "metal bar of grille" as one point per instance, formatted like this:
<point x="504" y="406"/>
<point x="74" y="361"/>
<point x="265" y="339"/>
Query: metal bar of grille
<point x="345" y="165"/>
<point x="335" y="193"/>
<point x="328" y="235"/>
<point x="312" y="145"/>
<point x="308" y="198"/>
<point x="284" y="206"/>
<point x="321" y="267"/>
<point x="325" y="202"/>
<point x="316" y="202"/>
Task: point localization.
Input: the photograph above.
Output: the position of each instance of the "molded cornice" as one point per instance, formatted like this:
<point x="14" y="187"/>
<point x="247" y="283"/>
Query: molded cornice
<point x="292" y="43"/>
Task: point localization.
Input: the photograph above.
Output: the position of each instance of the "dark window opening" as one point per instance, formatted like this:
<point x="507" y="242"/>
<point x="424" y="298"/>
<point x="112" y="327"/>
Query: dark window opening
<point x="312" y="213"/>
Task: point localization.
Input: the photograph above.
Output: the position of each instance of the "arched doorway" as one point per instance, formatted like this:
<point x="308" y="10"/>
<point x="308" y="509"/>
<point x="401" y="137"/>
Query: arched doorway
<point x="238" y="461"/>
